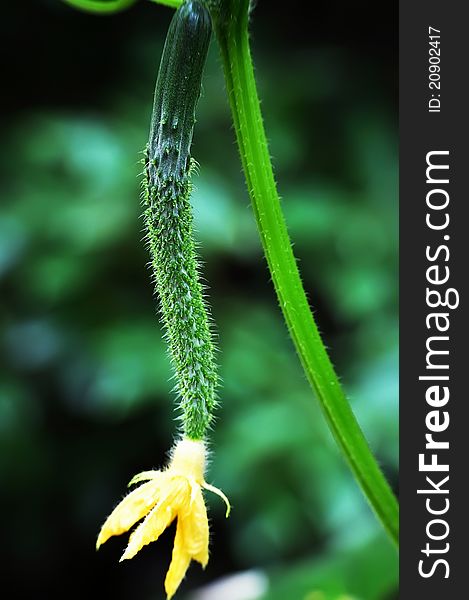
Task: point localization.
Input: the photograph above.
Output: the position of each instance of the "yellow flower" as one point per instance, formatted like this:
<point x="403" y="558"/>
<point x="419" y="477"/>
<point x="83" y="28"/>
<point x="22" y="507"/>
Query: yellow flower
<point x="175" y="492"/>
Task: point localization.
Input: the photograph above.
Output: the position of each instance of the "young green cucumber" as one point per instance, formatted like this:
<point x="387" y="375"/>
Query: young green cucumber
<point x="168" y="216"/>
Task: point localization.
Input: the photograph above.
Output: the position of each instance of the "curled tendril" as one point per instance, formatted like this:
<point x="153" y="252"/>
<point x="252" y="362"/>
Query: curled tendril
<point x="100" y="6"/>
<point x="113" y="6"/>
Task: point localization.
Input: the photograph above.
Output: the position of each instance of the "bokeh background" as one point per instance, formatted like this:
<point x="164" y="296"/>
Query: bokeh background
<point x="85" y="395"/>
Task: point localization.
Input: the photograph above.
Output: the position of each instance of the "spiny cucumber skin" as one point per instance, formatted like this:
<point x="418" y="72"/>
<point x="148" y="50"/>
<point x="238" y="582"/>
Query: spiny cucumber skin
<point x="168" y="216"/>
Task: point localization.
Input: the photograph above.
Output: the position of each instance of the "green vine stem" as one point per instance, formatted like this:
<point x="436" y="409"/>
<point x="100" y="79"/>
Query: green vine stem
<point x="231" y="26"/>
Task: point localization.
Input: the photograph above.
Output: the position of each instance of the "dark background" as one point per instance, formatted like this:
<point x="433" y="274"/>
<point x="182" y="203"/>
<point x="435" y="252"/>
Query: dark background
<point x="85" y="396"/>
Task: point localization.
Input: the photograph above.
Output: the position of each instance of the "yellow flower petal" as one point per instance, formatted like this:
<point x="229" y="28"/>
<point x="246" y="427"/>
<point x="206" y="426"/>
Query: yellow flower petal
<point x="215" y="490"/>
<point x="144" y="476"/>
<point x="176" y="492"/>
<point x="132" y="508"/>
<point x="179" y="563"/>
<point x="195" y="529"/>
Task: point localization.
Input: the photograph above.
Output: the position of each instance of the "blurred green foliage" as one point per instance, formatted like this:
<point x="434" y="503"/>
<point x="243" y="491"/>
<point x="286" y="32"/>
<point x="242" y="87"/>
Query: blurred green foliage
<point x="85" y="390"/>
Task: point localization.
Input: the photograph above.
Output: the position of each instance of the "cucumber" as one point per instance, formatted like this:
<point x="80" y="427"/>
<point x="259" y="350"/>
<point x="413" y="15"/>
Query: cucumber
<point x="168" y="216"/>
